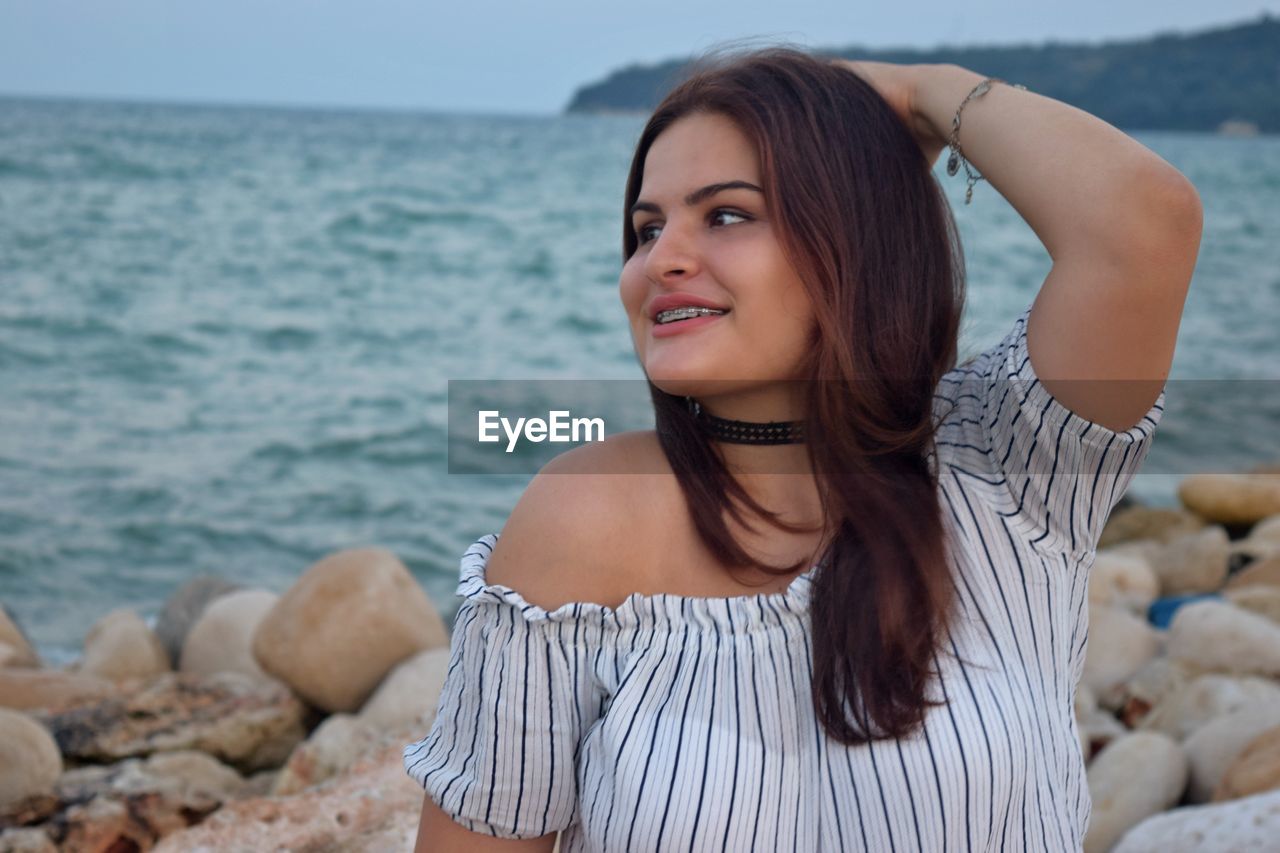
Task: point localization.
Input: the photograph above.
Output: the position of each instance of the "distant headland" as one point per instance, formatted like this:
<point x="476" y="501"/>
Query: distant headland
<point x="1221" y="80"/>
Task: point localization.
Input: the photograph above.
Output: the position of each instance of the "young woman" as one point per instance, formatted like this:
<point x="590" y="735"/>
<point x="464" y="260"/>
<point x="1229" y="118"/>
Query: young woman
<point x="856" y="621"/>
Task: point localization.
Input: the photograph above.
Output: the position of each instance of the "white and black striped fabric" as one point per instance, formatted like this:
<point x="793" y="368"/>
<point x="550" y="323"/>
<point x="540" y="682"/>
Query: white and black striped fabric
<point x="676" y="723"/>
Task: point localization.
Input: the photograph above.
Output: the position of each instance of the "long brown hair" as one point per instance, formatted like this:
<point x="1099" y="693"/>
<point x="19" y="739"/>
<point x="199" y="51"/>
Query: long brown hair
<point x="867" y="228"/>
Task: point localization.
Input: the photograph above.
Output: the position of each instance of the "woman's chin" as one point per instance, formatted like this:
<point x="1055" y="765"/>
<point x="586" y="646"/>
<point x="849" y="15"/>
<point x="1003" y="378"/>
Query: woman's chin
<point x="679" y="388"/>
<point x="688" y="383"/>
<point x="672" y="371"/>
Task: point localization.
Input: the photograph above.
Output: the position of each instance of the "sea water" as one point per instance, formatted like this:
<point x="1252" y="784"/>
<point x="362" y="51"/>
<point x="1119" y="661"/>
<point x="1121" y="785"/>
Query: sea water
<point x="226" y="332"/>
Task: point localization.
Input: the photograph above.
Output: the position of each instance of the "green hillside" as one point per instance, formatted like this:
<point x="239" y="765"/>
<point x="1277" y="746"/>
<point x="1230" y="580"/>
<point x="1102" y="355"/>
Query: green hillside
<point x="1169" y="81"/>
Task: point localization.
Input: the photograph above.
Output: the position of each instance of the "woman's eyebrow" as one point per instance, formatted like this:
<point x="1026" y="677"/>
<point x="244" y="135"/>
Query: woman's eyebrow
<point x="697" y="195"/>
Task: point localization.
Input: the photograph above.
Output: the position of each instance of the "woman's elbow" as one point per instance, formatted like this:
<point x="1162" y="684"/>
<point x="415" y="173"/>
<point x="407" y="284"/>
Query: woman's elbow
<point x="440" y="833"/>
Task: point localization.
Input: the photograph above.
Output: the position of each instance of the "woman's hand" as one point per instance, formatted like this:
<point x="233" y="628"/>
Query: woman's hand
<point x="897" y="85"/>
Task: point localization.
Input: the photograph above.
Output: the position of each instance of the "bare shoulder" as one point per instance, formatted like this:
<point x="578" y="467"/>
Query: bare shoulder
<point x="576" y="532"/>
<point x="634" y="452"/>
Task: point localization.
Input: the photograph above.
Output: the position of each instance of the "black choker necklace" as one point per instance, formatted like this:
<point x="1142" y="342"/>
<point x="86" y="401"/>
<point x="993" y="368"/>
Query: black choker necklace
<point x="746" y="432"/>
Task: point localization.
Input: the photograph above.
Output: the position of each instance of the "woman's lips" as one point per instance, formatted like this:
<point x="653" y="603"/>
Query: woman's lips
<point x="666" y="330"/>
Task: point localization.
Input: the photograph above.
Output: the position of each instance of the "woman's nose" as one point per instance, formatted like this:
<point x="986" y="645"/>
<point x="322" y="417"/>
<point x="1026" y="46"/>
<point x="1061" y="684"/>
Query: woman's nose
<point x="672" y="255"/>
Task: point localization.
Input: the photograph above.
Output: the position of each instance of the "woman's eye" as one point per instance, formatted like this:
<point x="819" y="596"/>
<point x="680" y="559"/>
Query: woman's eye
<point x="644" y="230"/>
<point x="722" y="212"/>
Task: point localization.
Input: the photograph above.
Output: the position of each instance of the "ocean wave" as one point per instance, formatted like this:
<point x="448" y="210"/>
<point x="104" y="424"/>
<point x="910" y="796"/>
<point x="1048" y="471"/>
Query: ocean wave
<point x="175" y="533"/>
<point x="13" y="356"/>
<point x="11" y="168"/>
<point x="124" y="499"/>
<point x="55" y="326"/>
<point x="286" y="338"/>
<point x="395" y="446"/>
<point x="167" y="342"/>
<point x="590" y="324"/>
<point x="96" y="162"/>
<point x="392" y="219"/>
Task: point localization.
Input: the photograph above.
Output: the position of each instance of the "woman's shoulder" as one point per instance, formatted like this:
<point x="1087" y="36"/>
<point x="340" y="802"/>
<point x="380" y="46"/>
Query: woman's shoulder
<point x="578" y="531"/>
<point x="636" y="452"/>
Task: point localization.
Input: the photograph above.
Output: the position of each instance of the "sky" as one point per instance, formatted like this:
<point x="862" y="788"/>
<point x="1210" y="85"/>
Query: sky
<point x="492" y="56"/>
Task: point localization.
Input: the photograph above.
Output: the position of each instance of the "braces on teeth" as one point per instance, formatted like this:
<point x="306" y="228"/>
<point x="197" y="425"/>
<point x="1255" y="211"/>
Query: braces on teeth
<point x="684" y="314"/>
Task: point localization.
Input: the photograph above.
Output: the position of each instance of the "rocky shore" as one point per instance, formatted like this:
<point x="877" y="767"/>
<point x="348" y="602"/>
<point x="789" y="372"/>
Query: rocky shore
<point x="245" y="721"/>
<point x="248" y="720"/>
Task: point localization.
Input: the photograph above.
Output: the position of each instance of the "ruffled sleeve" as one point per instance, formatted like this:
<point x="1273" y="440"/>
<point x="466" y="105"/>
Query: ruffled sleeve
<point x="1053" y="474"/>
<point x="519" y="694"/>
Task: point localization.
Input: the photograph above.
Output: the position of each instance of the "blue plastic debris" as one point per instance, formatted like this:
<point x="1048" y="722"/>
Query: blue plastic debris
<point x="1161" y="611"/>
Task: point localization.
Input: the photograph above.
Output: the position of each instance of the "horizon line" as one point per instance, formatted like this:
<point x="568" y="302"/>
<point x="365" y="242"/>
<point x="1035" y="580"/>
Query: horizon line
<point x="300" y="106"/>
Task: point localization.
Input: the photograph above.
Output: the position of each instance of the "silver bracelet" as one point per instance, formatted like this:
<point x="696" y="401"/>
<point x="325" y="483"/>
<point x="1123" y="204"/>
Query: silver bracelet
<point x="957" y="156"/>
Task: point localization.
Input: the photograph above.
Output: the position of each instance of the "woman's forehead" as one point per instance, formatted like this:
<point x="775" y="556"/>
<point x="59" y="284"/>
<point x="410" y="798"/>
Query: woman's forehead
<point x="698" y="150"/>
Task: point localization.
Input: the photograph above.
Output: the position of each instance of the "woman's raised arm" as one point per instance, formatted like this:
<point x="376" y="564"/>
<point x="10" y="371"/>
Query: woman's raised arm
<point x="1121" y="225"/>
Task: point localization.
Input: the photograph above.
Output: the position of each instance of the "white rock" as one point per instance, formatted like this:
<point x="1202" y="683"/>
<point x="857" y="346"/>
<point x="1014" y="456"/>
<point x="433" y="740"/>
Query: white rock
<point x="1212" y="747"/>
<point x="372" y="807"/>
<point x="1244" y="498"/>
<point x="29" y="758"/>
<point x="410" y="692"/>
<point x="32" y="689"/>
<point x="1194" y="562"/>
<point x="169" y="782"/>
<point x="1147" y="549"/>
<point x="221" y="640"/>
<point x="12" y="657"/>
<point x="15" y="648"/>
<point x="1119" y="644"/>
<point x="1260" y="572"/>
<point x="121" y="646"/>
<point x="1263" y="539"/>
<point x="1262" y="600"/>
<point x="26" y="840"/>
<point x="184" y="607"/>
<point x="1252" y="823"/>
<point x="1222" y="637"/>
<point x="335" y="745"/>
<point x="1137" y="776"/>
<point x="1206" y="698"/>
<point x="195" y="771"/>
<point x="1098" y="729"/>
<point x="1147" y="524"/>
<point x="344" y="624"/>
<point x="1158" y="679"/>
<point x="1123" y="579"/>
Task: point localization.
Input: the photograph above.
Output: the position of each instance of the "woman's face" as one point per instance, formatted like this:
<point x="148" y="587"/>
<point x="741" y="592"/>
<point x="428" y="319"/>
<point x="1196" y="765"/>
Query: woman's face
<point x="716" y="249"/>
